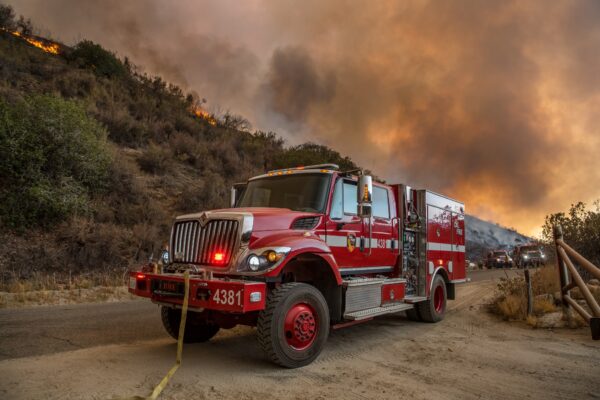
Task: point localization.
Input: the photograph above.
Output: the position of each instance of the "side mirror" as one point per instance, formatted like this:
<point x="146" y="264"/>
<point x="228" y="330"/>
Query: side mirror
<point x="236" y="192"/>
<point x="365" y="195"/>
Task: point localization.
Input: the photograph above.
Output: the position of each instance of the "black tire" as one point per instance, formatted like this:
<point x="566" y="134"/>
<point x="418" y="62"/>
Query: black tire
<point x="272" y="334"/>
<point x="429" y="310"/>
<point x="413" y="314"/>
<point x="197" y="328"/>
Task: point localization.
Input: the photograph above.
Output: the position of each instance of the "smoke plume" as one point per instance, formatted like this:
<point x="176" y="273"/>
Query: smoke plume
<point x="492" y="102"/>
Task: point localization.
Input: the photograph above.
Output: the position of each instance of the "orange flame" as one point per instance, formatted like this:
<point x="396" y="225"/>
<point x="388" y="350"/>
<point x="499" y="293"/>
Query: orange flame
<point x="52" y="48"/>
<point x="200" y="113"/>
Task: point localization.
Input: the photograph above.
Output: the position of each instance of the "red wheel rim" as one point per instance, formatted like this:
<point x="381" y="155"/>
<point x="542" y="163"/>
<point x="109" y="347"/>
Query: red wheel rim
<point x="300" y="326"/>
<point x="438" y="299"/>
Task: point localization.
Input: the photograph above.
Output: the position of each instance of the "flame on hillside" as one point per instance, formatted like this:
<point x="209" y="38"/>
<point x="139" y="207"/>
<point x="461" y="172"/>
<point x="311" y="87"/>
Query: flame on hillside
<point x="48" y="47"/>
<point x="206" y="116"/>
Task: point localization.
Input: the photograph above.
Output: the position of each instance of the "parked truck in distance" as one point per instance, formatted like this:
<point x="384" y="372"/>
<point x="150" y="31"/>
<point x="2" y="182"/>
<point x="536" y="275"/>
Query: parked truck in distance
<point x="305" y="250"/>
<point x="529" y="255"/>
<point x="498" y="259"/>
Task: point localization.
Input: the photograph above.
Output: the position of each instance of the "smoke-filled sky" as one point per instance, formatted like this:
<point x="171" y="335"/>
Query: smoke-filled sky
<point x="496" y="103"/>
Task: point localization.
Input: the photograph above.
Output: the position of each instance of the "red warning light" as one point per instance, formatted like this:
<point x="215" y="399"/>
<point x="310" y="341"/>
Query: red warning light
<point x="140" y="276"/>
<point x="218" y="257"/>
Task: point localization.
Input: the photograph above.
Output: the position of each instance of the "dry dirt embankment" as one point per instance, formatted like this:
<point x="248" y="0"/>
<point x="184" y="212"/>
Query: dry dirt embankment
<point x="470" y="355"/>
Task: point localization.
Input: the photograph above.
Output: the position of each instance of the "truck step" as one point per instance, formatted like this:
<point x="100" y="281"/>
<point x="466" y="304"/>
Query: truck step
<point x="414" y="299"/>
<point x="353" y="282"/>
<point x="376" y="311"/>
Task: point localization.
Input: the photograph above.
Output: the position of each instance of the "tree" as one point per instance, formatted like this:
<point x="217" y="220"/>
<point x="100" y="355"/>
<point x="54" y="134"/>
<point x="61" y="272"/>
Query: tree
<point x="581" y="229"/>
<point x="7" y="17"/>
<point x="234" y="121"/>
<point x="25" y="26"/>
<point x="310" y="154"/>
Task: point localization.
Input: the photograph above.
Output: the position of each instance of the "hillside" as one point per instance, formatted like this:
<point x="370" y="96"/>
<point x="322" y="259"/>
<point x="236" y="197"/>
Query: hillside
<point x="137" y="152"/>
<point x="98" y="157"/>
<point x="483" y="236"/>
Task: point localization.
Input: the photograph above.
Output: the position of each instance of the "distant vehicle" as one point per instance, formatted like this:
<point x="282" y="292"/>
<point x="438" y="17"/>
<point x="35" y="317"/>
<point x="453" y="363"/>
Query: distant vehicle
<point x="470" y="265"/>
<point x="529" y="255"/>
<point x="498" y="259"/>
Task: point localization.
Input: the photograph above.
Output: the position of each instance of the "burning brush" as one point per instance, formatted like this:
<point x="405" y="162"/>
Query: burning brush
<point x="201" y="113"/>
<point x="45" y="45"/>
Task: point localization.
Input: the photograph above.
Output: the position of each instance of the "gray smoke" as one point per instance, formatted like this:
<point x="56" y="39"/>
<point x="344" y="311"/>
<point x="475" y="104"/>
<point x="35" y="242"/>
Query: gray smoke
<point x="492" y="102"/>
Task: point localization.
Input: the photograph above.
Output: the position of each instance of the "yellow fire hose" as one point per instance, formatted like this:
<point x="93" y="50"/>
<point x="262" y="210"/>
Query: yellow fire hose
<point x="161" y="386"/>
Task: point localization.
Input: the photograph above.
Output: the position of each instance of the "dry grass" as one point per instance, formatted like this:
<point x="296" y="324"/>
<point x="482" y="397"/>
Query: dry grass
<point x="45" y="289"/>
<point x="46" y="282"/>
<point x="510" y="300"/>
<point x="543" y="306"/>
<point x="67" y="296"/>
<point x="532" y="321"/>
<point x="512" y="307"/>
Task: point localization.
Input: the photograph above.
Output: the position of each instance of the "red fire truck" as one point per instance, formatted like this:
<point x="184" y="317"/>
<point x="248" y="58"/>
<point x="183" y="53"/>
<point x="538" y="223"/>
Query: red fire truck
<point x="305" y="250"/>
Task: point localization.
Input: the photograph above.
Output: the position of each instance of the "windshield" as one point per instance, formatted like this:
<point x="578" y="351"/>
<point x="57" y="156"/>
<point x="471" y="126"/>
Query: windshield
<point x="300" y="192"/>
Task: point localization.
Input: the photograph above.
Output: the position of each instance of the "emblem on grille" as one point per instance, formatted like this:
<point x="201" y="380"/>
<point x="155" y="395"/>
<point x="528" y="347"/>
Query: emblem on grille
<point x="203" y="219"/>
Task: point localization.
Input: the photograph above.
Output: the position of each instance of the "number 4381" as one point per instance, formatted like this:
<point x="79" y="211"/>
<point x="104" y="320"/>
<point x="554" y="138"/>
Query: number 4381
<point x="227" y="297"/>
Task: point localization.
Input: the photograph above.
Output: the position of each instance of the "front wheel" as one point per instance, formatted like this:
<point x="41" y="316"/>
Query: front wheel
<point x="434" y="309"/>
<point x="294" y="326"/>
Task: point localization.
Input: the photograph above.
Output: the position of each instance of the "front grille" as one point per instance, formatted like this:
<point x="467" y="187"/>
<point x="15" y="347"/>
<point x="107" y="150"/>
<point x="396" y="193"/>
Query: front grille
<point x="194" y="244"/>
<point x="305" y="223"/>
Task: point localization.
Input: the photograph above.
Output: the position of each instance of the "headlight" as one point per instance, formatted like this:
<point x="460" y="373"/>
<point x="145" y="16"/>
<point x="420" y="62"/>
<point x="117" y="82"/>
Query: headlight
<point x="543" y="256"/>
<point x="525" y="257"/>
<point x="164" y="257"/>
<point x="263" y="259"/>
<point x="498" y="260"/>
<point x="253" y="263"/>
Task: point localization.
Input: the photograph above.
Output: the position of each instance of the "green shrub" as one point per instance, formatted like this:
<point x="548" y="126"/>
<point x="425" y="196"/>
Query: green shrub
<point x="156" y="160"/>
<point x="87" y="54"/>
<point x="54" y="157"/>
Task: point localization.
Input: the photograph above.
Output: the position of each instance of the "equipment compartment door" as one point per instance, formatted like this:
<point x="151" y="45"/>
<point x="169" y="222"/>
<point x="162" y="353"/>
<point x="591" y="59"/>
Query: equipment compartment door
<point x="382" y="254"/>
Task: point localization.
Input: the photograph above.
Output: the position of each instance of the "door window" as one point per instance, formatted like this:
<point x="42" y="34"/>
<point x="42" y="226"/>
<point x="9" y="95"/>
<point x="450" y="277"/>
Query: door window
<point x="350" y="201"/>
<point x="381" y="203"/>
<point x="344" y="199"/>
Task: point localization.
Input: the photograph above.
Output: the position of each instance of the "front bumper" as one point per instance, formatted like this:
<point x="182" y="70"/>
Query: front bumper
<point x="235" y="296"/>
<point x="532" y="261"/>
<point x="502" y="264"/>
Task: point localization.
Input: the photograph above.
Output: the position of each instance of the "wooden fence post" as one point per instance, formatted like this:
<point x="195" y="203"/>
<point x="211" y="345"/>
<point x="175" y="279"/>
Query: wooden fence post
<point x="562" y="275"/>
<point x="529" y="292"/>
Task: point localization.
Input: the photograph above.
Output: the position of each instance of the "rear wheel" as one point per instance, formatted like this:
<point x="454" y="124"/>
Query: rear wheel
<point x="197" y="328"/>
<point x="294" y="326"/>
<point x="434" y="309"/>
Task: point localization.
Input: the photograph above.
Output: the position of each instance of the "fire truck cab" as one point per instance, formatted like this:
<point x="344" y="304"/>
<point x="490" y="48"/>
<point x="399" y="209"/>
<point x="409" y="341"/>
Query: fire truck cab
<point x="305" y="250"/>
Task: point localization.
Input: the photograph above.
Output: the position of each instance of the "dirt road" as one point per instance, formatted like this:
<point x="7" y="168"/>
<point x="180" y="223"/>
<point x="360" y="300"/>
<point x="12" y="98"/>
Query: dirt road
<point x="114" y="350"/>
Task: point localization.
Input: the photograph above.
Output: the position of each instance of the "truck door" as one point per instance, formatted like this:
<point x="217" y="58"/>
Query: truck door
<point x="343" y="227"/>
<point x="348" y="236"/>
